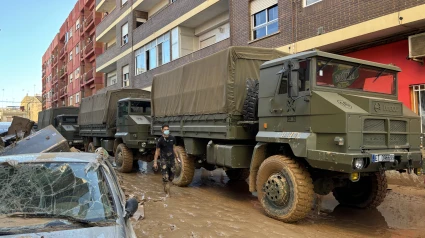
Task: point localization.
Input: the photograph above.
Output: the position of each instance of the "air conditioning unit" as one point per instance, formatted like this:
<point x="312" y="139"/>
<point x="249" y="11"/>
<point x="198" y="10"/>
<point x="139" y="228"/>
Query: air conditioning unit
<point x="417" y="46"/>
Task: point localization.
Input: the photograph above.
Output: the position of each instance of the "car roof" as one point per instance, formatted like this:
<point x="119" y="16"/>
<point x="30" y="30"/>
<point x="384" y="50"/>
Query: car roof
<point x="62" y="157"/>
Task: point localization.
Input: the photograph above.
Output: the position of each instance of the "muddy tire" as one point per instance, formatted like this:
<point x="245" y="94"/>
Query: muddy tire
<point x="124" y="159"/>
<point x="237" y="174"/>
<point x="285" y="189"/>
<point x="184" y="170"/>
<point x="91" y="148"/>
<point x="250" y="106"/>
<point x="368" y="192"/>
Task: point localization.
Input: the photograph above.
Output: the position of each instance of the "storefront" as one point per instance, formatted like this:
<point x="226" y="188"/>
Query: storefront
<point x="411" y="81"/>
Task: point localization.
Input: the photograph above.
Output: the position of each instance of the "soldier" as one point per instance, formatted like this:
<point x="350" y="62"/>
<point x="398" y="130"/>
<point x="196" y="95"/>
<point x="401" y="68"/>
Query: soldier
<point x="166" y="149"/>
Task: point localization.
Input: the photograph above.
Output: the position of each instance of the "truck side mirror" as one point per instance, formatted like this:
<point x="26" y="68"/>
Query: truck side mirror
<point x="293" y="86"/>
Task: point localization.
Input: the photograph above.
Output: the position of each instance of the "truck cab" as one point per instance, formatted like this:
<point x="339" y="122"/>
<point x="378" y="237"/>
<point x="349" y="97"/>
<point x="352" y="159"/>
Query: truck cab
<point x="133" y="129"/>
<point x="67" y="125"/>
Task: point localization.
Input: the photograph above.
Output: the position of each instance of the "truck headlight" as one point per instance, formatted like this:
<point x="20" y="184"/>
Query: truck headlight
<point x="144" y="144"/>
<point x="141" y="150"/>
<point x="358" y="163"/>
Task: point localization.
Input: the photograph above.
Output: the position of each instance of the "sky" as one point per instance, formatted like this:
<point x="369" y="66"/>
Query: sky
<point x="27" y="27"/>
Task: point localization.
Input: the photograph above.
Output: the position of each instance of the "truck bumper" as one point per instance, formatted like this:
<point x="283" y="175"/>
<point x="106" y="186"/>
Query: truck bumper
<point x="343" y="162"/>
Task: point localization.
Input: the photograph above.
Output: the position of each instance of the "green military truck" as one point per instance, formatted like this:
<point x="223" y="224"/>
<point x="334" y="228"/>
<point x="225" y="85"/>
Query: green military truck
<point x="297" y="125"/>
<point x="64" y="119"/>
<point x="119" y="121"/>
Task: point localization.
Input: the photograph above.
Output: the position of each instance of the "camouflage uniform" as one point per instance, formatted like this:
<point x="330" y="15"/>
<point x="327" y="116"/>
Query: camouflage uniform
<point x="167" y="163"/>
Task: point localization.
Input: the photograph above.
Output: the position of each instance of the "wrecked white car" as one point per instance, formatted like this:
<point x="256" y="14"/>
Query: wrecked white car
<point x="62" y="195"/>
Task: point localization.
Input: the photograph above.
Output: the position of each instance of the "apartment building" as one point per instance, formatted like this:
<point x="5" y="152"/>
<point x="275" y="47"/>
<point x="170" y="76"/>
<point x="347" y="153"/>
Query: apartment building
<point x="68" y="65"/>
<point x="146" y="37"/>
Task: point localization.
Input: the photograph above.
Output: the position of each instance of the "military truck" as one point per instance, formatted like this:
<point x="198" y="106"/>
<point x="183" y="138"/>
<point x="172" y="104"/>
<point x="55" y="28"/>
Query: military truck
<point x="64" y="119"/>
<point x="301" y="124"/>
<point x="118" y="121"/>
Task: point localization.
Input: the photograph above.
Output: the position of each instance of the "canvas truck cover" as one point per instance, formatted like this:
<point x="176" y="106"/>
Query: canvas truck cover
<point x="214" y="84"/>
<point x="46" y="117"/>
<point x="102" y="108"/>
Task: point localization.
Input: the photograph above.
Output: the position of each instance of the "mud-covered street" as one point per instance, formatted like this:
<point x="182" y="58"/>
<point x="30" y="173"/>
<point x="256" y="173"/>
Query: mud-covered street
<point x="212" y="206"/>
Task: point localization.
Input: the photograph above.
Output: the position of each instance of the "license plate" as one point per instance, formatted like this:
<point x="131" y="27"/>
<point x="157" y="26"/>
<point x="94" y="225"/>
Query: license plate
<point x="383" y="158"/>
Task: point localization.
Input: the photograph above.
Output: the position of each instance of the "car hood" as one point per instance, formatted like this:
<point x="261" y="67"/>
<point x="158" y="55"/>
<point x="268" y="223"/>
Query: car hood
<point x="95" y="232"/>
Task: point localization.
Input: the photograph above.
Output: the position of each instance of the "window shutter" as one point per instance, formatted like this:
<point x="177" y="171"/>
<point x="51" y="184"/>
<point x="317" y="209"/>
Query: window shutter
<point x="125" y="29"/>
<point x="125" y="70"/>
<point x="259" y="5"/>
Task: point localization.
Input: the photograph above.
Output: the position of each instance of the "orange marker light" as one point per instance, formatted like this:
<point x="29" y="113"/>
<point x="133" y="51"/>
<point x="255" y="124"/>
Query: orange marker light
<point x="265" y="125"/>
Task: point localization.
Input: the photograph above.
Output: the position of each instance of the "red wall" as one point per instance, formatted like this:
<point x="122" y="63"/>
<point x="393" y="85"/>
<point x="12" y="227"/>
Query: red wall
<point x="395" y="53"/>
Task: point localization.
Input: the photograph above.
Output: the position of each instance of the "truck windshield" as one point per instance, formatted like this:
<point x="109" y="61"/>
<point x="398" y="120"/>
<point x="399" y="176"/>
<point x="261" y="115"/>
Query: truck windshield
<point x="140" y="107"/>
<point x="69" y="119"/>
<point x="351" y="76"/>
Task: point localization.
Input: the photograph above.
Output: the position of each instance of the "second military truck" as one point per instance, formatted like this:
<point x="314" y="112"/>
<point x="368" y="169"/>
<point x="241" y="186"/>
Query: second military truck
<point x="297" y="125"/>
<point x="119" y="121"/>
<point x="65" y="120"/>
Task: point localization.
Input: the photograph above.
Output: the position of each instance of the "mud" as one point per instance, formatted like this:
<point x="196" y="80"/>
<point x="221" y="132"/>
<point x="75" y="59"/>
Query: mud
<point x="213" y="206"/>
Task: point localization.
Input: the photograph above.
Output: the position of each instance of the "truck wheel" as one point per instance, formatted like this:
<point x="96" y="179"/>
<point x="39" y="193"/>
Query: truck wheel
<point x="368" y="192"/>
<point x="124" y="159"/>
<point x="285" y="189"/>
<point x="91" y="148"/>
<point x="237" y="174"/>
<point x="250" y="106"/>
<point x="184" y="170"/>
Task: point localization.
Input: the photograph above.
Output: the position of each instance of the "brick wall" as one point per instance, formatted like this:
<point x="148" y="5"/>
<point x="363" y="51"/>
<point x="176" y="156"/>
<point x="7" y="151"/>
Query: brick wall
<point x="329" y="14"/>
<point x="163" y="17"/>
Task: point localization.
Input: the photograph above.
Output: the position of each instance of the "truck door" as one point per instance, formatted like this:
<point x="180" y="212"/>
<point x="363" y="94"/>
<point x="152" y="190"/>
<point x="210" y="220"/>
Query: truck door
<point x="122" y="118"/>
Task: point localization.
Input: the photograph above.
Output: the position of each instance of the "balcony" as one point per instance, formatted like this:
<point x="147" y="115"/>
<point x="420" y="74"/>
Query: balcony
<point x="63" y="72"/>
<point x="88" y="77"/>
<point x="89" y="22"/>
<point x="55" y="97"/>
<point x="88" y="48"/>
<point x="62" y="52"/>
<point x="55" y="60"/>
<point x="63" y="92"/>
<point x="55" y="79"/>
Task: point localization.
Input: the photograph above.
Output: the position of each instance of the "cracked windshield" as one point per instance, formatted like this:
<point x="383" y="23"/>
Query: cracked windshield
<point x="218" y="118"/>
<point x="55" y="189"/>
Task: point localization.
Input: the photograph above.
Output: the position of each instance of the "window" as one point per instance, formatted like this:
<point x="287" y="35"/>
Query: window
<point x="123" y="2"/>
<point x="124" y="34"/>
<point x="125" y="76"/>
<point x="310" y="2"/>
<point x="77" y="98"/>
<point x="265" y="22"/>
<point x="111" y="78"/>
<point x="418" y="102"/>
<point x="70" y="56"/>
<point x="140" y="61"/>
<point x="70" y="101"/>
<point x="70" y="33"/>
<point x="77" y="49"/>
<point x="151" y="58"/>
<point x="163" y="47"/>
<point x="304" y="81"/>
<point x="66" y="37"/>
<point x="77" y="24"/>
<point x="175" y="43"/>
<point x="77" y="73"/>
<point x="71" y="76"/>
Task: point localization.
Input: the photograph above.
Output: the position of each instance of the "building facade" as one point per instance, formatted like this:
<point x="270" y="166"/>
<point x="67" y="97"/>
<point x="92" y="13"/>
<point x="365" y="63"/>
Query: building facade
<point x="68" y="65"/>
<point x="31" y="106"/>
<point x="142" y="38"/>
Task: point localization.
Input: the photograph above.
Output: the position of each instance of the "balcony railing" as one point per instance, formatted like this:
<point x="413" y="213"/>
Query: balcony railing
<point x="89" y="47"/>
<point x="62" y="52"/>
<point x="55" y="97"/>
<point x="88" y="20"/>
<point x="55" y="59"/>
<point x="89" y="75"/>
<point x="62" y="72"/>
<point x="63" y="91"/>
<point x="55" y="79"/>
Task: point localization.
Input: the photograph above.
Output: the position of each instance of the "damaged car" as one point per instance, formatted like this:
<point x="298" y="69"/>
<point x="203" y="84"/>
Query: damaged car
<point x="62" y="195"/>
